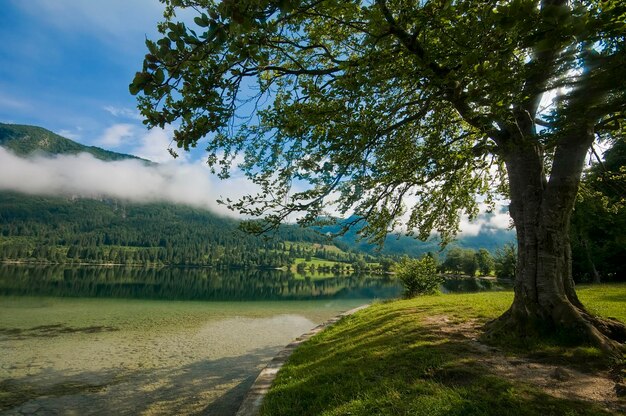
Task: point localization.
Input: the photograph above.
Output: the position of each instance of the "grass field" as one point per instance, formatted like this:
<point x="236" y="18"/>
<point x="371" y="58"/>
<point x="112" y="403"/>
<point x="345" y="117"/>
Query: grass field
<point x="423" y="357"/>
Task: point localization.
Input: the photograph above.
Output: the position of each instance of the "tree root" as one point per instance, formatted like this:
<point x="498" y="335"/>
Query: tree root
<point x="610" y="327"/>
<point x="609" y="335"/>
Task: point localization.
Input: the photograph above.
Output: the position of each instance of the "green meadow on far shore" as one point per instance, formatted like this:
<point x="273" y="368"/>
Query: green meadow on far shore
<point x="424" y="356"/>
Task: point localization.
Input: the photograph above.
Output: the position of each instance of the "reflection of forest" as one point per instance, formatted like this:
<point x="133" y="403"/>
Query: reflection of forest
<point x="184" y="283"/>
<point x="473" y="284"/>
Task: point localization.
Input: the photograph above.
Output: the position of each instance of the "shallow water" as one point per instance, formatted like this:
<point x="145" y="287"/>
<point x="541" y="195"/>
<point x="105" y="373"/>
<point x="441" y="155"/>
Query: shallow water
<point x="77" y="356"/>
<point x="79" y="340"/>
<point x="85" y="340"/>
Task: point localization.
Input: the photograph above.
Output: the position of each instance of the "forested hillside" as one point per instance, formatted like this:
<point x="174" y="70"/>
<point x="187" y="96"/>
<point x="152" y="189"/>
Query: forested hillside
<point x="109" y="231"/>
<point x="25" y="140"/>
<point x="84" y="230"/>
<point x="63" y="230"/>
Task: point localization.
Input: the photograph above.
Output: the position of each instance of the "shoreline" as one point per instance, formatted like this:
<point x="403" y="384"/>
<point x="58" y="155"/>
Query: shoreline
<point x="253" y="399"/>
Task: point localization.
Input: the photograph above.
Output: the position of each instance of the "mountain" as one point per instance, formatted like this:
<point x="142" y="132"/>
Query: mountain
<point x="105" y="230"/>
<point x="488" y="238"/>
<point x="406" y="245"/>
<point x="78" y="230"/>
<point x="73" y="229"/>
<point x="26" y="140"/>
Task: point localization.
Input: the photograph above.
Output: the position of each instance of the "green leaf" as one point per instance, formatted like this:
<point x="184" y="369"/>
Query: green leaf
<point x="159" y="76"/>
<point x="139" y="82"/>
<point x="202" y="21"/>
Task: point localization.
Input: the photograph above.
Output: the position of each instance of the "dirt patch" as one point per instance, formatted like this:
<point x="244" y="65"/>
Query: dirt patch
<point x="559" y="381"/>
<point x="443" y="324"/>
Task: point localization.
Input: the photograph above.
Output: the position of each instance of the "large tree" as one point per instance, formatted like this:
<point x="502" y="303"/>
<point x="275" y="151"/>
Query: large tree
<point x="405" y="112"/>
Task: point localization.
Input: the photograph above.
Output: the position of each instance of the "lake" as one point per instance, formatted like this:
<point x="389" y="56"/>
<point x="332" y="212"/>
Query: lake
<point x="130" y="341"/>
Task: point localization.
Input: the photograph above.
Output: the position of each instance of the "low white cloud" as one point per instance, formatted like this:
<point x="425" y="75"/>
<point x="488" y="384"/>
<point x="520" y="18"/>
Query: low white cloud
<point x="500" y="220"/>
<point x="153" y="145"/>
<point x="115" y="135"/>
<point x="470" y="228"/>
<point x="176" y="181"/>
<point x="131" y="180"/>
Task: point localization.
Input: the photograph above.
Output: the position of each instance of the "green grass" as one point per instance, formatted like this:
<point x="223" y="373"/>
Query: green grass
<point x="318" y="262"/>
<point x="605" y="300"/>
<point x="314" y="246"/>
<point x="393" y="359"/>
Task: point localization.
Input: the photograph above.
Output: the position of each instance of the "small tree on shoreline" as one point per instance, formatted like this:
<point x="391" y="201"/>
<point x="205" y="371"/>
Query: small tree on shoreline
<point x="419" y="276"/>
<point x="484" y="261"/>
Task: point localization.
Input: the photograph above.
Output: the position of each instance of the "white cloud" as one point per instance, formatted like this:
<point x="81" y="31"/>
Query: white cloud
<point x="173" y="180"/>
<point x="115" y="135"/>
<point x="123" y="112"/>
<point x="500" y="220"/>
<point x="13" y="104"/>
<point x="73" y="135"/>
<point x="494" y="221"/>
<point x="111" y="20"/>
<point x="472" y="228"/>
<point x="148" y="144"/>
<point x="132" y="180"/>
<point x="153" y="146"/>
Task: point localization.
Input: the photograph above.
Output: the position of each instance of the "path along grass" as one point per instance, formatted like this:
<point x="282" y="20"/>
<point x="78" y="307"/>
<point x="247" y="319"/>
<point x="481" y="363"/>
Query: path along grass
<point x="421" y="357"/>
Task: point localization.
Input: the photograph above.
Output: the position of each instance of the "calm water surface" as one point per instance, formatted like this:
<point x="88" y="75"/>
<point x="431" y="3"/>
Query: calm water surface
<point x="129" y="341"/>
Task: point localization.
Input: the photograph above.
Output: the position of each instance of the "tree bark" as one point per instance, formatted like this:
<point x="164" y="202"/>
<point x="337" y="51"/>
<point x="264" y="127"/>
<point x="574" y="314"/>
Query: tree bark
<point x="545" y="300"/>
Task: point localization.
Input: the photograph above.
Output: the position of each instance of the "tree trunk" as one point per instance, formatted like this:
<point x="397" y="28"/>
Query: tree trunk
<point x="545" y="301"/>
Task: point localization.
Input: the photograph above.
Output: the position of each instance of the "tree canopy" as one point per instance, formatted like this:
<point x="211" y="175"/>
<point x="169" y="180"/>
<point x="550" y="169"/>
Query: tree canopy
<point x="403" y="112"/>
<point x="376" y="103"/>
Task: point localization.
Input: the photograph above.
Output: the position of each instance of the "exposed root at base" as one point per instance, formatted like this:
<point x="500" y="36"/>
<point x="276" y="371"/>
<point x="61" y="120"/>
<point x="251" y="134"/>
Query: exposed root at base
<point x="606" y="334"/>
<point x="599" y="387"/>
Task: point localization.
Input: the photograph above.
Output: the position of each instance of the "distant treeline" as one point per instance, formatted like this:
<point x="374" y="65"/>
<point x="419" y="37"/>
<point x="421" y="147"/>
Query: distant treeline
<point x="68" y="230"/>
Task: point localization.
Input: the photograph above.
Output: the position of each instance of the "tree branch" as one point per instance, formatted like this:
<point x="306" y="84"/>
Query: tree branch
<point x="541" y="66"/>
<point x="410" y="41"/>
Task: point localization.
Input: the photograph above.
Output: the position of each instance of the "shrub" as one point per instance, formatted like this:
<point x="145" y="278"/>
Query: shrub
<point x="419" y="277"/>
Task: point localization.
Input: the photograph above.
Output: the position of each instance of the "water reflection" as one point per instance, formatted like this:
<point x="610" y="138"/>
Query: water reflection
<point x="473" y="284"/>
<point x="186" y="283"/>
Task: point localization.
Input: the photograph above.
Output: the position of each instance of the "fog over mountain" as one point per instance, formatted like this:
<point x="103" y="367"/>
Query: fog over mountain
<point x="134" y="180"/>
<point x="130" y="180"/>
<point x="36" y="161"/>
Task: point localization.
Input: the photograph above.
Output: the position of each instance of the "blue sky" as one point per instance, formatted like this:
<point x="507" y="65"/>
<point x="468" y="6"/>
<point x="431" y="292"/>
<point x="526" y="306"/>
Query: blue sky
<point x="66" y="64"/>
